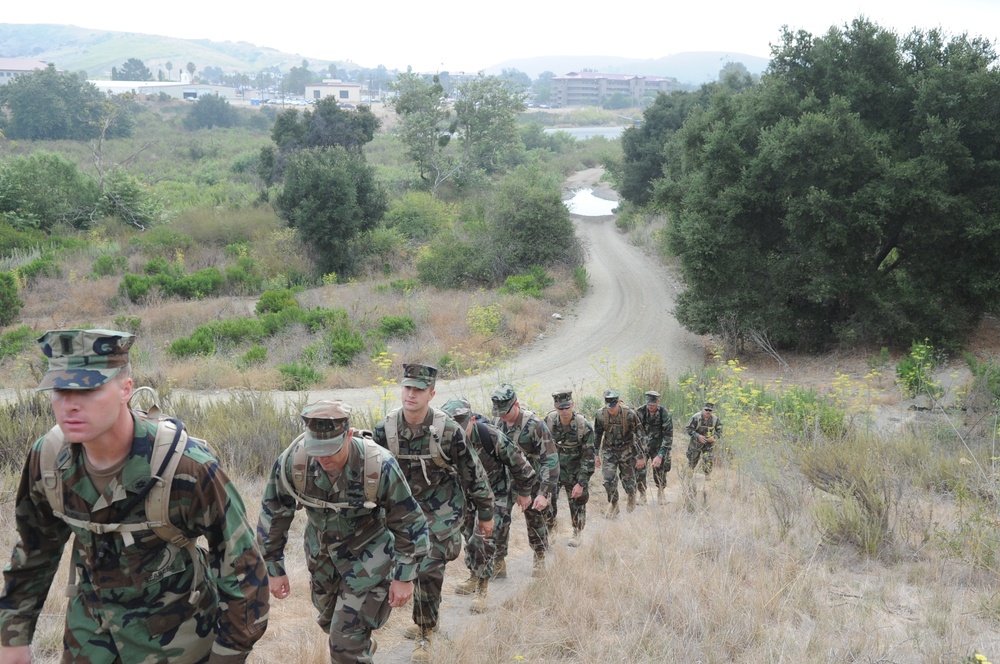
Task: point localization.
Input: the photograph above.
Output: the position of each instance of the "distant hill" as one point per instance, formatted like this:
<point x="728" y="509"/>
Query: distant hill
<point x="71" y="48"/>
<point x="692" y="68"/>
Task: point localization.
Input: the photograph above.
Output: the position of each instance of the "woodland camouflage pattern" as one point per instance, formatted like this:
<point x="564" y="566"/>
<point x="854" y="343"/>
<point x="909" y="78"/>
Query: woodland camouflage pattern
<point x="575" y="444"/>
<point x="83" y="359"/>
<point x="441" y="494"/>
<point x="133" y="606"/>
<point x="659" y="428"/>
<point x="353" y="553"/>
<point x="618" y="438"/>
<point x="710" y="427"/>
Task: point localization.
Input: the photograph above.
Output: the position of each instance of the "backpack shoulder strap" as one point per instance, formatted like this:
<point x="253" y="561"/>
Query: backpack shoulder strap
<point x="52" y="444"/>
<point x="392" y="430"/>
<point x="170" y="447"/>
<point x="437" y="430"/>
<point x="297" y="451"/>
<point x="372" y="471"/>
<point x="580" y="424"/>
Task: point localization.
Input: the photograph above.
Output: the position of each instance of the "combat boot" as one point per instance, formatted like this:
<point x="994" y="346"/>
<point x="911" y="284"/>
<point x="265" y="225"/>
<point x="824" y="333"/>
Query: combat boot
<point x="660" y="496"/>
<point x="479" y="601"/>
<point x="642" y="497"/>
<point x="500" y="569"/>
<point x="422" y="649"/>
<point x="613" y="510"/>
<point x="467" y="587"/>
<point x="575" y="540"/>
<point x="413" y="631"/>
<point x="538" y="566"/>
<point x="630" y="505"/>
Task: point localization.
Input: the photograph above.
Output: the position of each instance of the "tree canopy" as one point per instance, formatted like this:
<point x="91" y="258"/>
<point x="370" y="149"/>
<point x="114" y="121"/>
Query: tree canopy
<point x="133" y="69"/>
<point x="850" y="196"/>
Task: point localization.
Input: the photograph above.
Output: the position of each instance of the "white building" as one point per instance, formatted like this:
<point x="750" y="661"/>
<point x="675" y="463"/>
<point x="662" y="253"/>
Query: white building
<point x="11" y="68"/>
<point x="344" y="93"/>
<point x="171" y="88"/>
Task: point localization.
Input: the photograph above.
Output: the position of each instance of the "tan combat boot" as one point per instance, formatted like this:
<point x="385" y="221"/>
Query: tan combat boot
<point x="613" y="510"/>
<point x="479" y="601"/>
<point x="538" y="566"/>
<point x="575" y="540"/>
<point x="642" y="497"/>
<point x="500" y="569"/>
<point x="630" y="505"/>
<point x="660" y="496"/>
<point x="467" y="587"/>
<point x="413" y="631"/>
<point x="422" y="649"/>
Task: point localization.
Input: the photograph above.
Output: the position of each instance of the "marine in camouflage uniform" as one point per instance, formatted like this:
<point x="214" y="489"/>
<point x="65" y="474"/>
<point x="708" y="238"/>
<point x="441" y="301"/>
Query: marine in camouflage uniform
<point x="659" y="428"/>
<point x="508" y="471"/>
<point x="361" y="554"/>
<point x="441" y="486"/>
<point x="704" y="430"/>
<point x="136" y="597"/>
<point x="574" y="439"/>
<point x="529" y="432"/>
<point x="618" y="438"/>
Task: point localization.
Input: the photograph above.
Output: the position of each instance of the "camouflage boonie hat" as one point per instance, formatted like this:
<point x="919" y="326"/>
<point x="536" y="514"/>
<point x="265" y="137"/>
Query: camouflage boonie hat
<point x="563" y="400"/>
<point x="420" y="376"/>
<point x="709" y="405"/>
<point x="460" y="410"/>
<point x="83" y="359"/>
<point x="652" y="396"/>
<point x="611" y="397"/>
<point x="326" y="422"/>
<point x="503" y="397"/>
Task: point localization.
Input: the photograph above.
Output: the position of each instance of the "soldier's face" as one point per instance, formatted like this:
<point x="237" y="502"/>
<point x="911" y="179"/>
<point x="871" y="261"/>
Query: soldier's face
<point x="651" y="407"/>
<point x="416" y="400"/>
<point x="566" y="414"/>
<point x="87" y="415"/>
<point x="511" y="416"/>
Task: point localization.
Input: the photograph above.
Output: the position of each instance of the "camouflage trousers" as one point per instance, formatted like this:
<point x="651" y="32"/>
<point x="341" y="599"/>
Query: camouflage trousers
<point x="430" y="579"/>
<point x="538" y="530"/>
<point x="577" y="506"/>
<point x="350" y="607"/>
<point x="697" y="451"/>
<point x="659" y="474"/>
<point x="480" y="552"/>
<point x="615" y="463"/>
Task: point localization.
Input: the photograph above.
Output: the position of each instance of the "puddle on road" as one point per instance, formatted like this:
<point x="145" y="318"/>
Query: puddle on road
<point x="584" y="203"/>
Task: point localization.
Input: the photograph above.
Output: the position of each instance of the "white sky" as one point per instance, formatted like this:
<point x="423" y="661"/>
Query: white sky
<point x="470" y="36"/>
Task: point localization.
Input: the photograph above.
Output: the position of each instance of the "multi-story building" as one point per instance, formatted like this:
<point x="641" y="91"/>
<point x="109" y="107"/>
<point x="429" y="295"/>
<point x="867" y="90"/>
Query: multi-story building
<point x="11" y="68"/>
<point x="343" y="92"/>
<point x="594" y="89"/>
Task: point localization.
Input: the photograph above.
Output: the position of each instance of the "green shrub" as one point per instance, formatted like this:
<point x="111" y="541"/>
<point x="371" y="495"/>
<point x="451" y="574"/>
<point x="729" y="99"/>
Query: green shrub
<point x="128" y="323"/>
<point x="257" y="355"/>
<point x="198" y="285"/>
<point x="531" y="284"/>
<point x="163" y="241"/>
<point x="107" y="265"/>
<point x="17" y="340"/>
<point x="396" y="326"/>
<point x="43" y="266"/>
<point x="276" y="300"/>
<point x="10" y="298"/>
<point x="484" y="321"/>
<point x="913" y="371"/>
<point x="196" y="344"/>
<point x="297" y="376"/>
<point x="342" y="344"/>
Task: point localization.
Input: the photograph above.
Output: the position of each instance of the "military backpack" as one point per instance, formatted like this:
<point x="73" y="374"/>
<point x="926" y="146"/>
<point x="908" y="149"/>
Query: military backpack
<point x="300" y="462"/>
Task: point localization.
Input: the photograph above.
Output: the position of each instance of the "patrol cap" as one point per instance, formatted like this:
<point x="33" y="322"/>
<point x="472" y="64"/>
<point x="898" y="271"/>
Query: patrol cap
<point x="563" y="400"/>
<point x="460" y="410"/>
<point x="83" y="359"/>
<point x="709" y="405"/>
<point x="611" y="397"/>
<point x="326" y="423"/>
<point x="420" y="376"/>
<point x="503" y="397"/>
<point x="652" y="396"/>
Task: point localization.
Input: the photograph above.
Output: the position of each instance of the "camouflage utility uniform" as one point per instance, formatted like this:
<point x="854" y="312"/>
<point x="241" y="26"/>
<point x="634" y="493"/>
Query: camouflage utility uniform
<point x="132" y="602"/>
<point x="352" y="552"/>
<point x="659" y="428"/>
<point x="575" y="445"/>
<point x="704" y="423"/>
<point x="442" y="491"/>
<point x="618" y="441"/>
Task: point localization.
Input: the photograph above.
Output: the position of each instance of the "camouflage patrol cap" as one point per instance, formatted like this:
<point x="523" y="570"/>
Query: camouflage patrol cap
<point x="503" y="397"/>
<point x="420" y="376"/>
<point x="83" y="359"/>
<point x="460" y="410"/>
<point x="326" y="425"/>
<point x="709" y="405"/>
<point x="563" y="400"/>
<point x="652" y="396"/>
<point x="611" y="397"/>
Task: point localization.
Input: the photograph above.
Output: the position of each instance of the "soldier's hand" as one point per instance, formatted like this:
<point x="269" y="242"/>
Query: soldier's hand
<point x="702" y="439"/>
<point x="640" y="463"/>
<point x="657" y="461"/>
<point x="597" y="461"/>
<point x="15" y="655"/>
<point x="710" y="440"/>
<point x="577" y="491"/>
<point x="524" y="502"/>
<point x="400" y="593"/>
<point x="541" y="502"/>
<point x="486" y="527"/>
<point x="279" y="586"/>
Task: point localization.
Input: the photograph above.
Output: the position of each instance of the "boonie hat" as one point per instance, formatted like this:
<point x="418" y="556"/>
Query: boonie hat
<point x="83" y="359"/>
<point x="326" y="423"/>
<point x="611" y="397"/>
<point x="652" y="396"/>
<point x="460" y="410"/>
<point x="503" y="398"/>
<point x="420" y="376"/>
<point x="563" y="400"/>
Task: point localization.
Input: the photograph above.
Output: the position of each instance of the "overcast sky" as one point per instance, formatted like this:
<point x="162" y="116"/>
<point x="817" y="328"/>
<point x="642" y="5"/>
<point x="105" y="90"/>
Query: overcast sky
<point x="470" y="36"/>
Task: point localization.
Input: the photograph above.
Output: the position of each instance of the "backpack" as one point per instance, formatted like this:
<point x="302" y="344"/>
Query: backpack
<point x="579" y="424"/>
<point x="626" y="420"/>
<point x="168" y="448"/>
<point x="436" y="451"/>
<point x="300" y="460"/>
